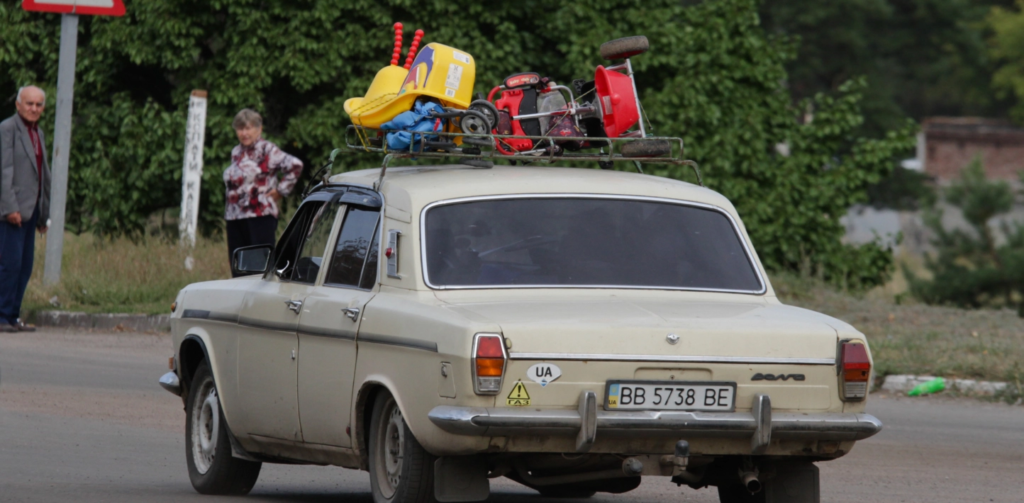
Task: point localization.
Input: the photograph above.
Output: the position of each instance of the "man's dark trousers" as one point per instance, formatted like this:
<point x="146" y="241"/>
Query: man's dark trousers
<point x="17" y="251"/>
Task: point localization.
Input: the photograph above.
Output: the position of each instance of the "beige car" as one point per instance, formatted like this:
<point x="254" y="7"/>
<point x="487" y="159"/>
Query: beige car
<point x="573" y="330"/>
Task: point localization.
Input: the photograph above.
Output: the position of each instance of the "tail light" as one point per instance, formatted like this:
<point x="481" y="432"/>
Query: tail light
<point x="488" y="363"/>
<point x="854" y="371"/>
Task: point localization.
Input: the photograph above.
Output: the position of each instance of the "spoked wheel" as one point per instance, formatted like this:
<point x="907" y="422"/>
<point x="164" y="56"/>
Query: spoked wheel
<point x="488" y="110"/>
<point x="211" y="468"/>
<point x="474" y="123"/>
<point x="400" y="469"/>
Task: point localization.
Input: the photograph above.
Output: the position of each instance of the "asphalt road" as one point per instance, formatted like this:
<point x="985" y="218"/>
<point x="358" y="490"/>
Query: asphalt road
<point x="82" y="419"/>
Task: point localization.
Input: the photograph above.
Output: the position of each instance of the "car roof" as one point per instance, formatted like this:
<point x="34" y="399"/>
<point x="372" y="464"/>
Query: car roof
<point x="411" y="188"/>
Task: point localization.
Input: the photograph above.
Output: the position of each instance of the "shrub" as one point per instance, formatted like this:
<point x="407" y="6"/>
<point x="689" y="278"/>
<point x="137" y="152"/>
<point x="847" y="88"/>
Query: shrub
<point x="971" y="267"/>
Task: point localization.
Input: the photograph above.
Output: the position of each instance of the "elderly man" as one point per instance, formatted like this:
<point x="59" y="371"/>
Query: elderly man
<point x="24" y="201"/>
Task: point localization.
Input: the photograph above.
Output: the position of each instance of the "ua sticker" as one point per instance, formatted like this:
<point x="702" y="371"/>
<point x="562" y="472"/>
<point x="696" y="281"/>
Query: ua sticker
<point x="543" y="373"/>
<point x="518" y="397"/>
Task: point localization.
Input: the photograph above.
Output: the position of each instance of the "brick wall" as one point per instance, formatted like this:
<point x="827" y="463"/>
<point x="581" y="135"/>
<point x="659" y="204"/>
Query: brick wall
<point x="950" y="143"/>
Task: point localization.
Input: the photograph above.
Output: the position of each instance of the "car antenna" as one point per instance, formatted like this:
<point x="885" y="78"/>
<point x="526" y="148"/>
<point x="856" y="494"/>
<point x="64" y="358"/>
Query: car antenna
<point x="323" y="175"/>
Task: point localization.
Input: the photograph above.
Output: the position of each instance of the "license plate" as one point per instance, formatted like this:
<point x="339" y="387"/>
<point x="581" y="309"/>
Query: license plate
<point x="670" y="395"/>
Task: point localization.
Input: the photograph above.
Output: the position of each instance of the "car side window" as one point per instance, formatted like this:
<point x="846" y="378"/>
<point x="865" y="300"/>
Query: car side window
<point x="355" y="250"/>
<point x="310" y="259"/>
<point x="287" y="250"/>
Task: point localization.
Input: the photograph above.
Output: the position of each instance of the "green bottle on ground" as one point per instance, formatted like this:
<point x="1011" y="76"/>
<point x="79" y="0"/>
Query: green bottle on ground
<point x="934" y="386"/>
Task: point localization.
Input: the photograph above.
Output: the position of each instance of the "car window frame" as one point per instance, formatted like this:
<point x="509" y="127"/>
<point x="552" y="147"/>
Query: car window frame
<point x="747" y="248"/>
<point x="327" y="254"/>
<point x="323" y="196"/>
<point x="333" y="247"/>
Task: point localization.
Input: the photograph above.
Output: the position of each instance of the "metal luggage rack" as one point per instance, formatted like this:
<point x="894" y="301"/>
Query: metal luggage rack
<point x="478" y="150"/>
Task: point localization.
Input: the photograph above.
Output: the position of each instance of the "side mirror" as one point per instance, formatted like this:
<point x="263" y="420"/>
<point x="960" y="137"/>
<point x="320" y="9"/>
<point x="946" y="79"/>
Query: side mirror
<point x="251" y="259"/>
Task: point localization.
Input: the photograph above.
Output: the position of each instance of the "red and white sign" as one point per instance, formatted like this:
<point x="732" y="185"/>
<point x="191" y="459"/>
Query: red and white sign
<point x="83" y="7"/>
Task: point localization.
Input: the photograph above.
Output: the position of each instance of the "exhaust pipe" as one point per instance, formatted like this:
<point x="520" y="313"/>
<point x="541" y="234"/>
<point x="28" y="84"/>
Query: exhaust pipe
<point x="750" y="480"/>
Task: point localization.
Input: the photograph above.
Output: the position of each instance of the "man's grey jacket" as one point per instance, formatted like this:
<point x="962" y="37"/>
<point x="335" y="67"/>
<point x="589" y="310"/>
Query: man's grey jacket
<point x="19" y="175"/>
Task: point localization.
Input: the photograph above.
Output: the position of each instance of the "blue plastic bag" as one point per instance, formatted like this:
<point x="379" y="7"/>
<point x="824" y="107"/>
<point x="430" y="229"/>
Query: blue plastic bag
<point x="418" y="119"/>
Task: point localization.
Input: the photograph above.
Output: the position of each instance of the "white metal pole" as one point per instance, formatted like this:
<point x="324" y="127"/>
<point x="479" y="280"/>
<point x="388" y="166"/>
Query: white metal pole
<point x="61" y="147"/>
<point x="192" y="171"/>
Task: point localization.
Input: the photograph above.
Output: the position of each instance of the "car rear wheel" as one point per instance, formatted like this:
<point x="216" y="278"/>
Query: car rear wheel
<point x="736" y="493"/>
<point x="400" y="469"/>
<point x="211" y="468"/>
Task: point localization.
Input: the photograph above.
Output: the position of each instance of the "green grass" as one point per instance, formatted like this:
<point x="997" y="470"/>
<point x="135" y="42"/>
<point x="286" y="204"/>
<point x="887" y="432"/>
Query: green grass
<point x="122" y="276"/>
<point x="908" y="337"/>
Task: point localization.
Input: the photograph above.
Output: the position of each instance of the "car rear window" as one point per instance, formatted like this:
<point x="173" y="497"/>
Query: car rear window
<point x="584" y="242"/>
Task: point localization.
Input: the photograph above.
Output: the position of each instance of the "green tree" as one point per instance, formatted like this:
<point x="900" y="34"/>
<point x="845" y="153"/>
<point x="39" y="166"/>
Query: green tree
<point x="1008" y="49"/>
<point x="921" y="57"/>
<point x="713" y="77"/>
<point x="973" y="267"/>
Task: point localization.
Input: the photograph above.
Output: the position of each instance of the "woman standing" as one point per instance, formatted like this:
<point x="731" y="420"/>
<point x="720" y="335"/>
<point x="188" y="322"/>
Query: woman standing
<point x="259" y="176"/>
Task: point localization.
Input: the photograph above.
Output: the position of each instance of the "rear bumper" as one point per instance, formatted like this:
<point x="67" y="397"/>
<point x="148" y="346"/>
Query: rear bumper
<point x="760" y="425"/>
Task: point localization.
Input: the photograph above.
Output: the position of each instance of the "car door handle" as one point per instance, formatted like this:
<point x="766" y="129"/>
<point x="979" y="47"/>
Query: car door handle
<point x="294" y="305"/>
<point x="352" y="313"/>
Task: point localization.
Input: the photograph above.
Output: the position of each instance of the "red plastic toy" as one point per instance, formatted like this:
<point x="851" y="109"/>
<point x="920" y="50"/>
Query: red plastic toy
<point x="612" y="112"/>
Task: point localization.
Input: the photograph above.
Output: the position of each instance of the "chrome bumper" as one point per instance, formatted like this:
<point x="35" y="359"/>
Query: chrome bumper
<point x="760" y="425"/>
<point x="169" y="382"/>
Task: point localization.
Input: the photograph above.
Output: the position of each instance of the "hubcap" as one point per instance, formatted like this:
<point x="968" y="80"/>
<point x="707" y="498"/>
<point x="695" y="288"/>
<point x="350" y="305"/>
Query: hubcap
<point x="473" y="125"/>
<point x="205" y="427"/>
<point x="390" y="450"/>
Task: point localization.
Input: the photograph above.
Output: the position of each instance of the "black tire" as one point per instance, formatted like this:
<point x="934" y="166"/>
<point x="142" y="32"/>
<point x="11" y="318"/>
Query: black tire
<point x="487" y="109"/>
<point x="624" y="47"/>
<point x="581" y="490"/>
<point x="565" y="492"/>
<point x="646" y="148"/>
<point x="213" y="470"/>
<point x="736" y="493"/>
<point x="794" y="481"/>
<point x="477" y="163"/>
<point x="401" y="471"/>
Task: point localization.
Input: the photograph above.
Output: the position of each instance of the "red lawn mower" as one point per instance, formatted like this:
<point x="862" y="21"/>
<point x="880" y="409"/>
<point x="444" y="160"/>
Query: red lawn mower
<point x="533" y="106"/>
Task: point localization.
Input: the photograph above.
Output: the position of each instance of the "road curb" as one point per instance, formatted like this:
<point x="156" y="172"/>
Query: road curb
<point x="104" y="321"/>
<point x="905" y="383"/>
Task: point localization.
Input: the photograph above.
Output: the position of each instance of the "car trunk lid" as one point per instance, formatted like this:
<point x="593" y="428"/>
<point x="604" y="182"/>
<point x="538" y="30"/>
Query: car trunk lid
<point x="639" y="328"/>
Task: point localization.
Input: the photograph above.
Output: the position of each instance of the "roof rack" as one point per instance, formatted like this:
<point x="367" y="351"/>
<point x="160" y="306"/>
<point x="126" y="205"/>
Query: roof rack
<point x="479" y="150"/>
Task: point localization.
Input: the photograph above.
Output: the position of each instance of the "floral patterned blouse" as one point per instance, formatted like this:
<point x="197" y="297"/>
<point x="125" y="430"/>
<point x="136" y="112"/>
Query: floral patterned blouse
<point x="252" y="174"/>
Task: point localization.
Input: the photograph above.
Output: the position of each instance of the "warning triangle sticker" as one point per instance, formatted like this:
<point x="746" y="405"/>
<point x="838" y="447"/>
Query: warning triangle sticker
<point x="519" y="397"/>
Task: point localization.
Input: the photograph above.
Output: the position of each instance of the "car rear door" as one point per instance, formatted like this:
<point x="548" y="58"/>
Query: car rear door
<point x="330" y="320"/>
